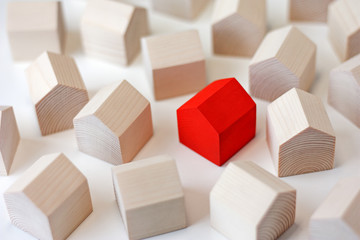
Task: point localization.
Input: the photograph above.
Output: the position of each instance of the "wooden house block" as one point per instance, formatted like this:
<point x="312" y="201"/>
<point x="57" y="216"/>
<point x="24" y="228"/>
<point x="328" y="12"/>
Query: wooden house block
<point x="299" y="134"/>
<point x="111" y="30"/>
<point x="186" y="9"/>
<point x="344" y="89"/>
<point x="238" y="26"/>
<point x="344" y="28"/>
<point x="57" y="91"/>
<point x="249" y="203"/>
<point x="285" y="59"/>
<point x="338" y="215"/>
<point x="9" y="139"/>
<point x="309" y="10"/>
<point x="175" y="63"/>
<point x="115" y="124"/>
<point x="34" y="27"/>
<point x="50" y="200"/>
<point x="218" y="121"/>
<point x="150" y="196"/>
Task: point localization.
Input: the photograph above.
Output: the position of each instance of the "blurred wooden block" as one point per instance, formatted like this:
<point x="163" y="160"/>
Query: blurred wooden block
<point x="57" y="91"/>
<point x="338" y="215"/>
<point x="175" y="63"/>
<point x="299" y="134"/>
<point x="115" y="124"/>
<point x="344" y="28"/>
<point x="238" y="26"/>
<point x="111" y="30"/>
<point x="150" y="196"/>
<point x="186" y="9"/>
<point x="249" y="203"/>
<point x="309" y="10"/>
<point x="34" y="27"/>
<point x="9" y="139"/>
<point x="50" y="200"/>
<point x="285" y="59"/>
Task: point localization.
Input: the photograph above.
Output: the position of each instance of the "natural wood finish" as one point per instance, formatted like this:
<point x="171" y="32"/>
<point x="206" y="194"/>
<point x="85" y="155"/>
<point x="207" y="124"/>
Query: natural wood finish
<point x="285" y="59"/>
<point x="238" y="26"/>
<point x="50" y="200"/>
<point x="34" y="27"/>
<point x="9" y="139"/>
<point x="344" y="28"/>
<point x="299" y="134"/>
<point x="57" y="91"/>
<point x="185" y="9"/>
<point x="115" y="124"/>
<point x="150" y="196"/>
<point x="175" y="63"/>
<point x="309" y="10"/>
<point x="111" y="30"/>
<point x="338" y="215"/>
<point x="249" y="203"/>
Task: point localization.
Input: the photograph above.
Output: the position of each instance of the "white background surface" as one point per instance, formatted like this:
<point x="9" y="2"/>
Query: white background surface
<point x="197" y="174"/>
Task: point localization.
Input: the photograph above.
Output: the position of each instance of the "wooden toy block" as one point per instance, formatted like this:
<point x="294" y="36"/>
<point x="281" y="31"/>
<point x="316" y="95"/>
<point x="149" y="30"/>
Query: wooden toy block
<point x="309" y="10"/>
<point x="218" y="121"/>
<point x="285" y="59"/>
<point x="57" y="91"/>
<point x="186" y="9"/>
<point x="175" y="63"/>
<point x="34" y="27"/>
<point x="338" y="216"/>
<point x="111" y="30"/>
<point x="249" y="203"/>
<point x="344" y="28"/>
<point x="50" y="200"/>
<point x="115" y="124"/>
<point x="299" y="134"/>
<point x="344" y="89"/>
<point x="150" y="196"/>
<point x="9" y="139"/>
<point x="238" y="26"/>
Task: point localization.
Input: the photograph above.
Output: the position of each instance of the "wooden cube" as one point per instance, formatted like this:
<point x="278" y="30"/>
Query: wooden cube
<point x="177" y="68"/>
<point x="285" y="59"/>
<point x="50" y="200"/>
<point x="309" y="10"/>
<point x="34" y="27"/>
<point x="299" y="134"/>
<point x="111" y="30"/>
<point x="186" y="9"/>
<point x="238" y="26"/>
<point x="344" y="89"/>
<point x="338" y="215"/>
<point x="150" y="197"/>
<point x="57" y="91"/>
<point x="344" y="28"/>
<point x="218" y="121"/>
<point x="249" y="203"/>
<point x="115" y="124"/>
<point x="9" y="139"/>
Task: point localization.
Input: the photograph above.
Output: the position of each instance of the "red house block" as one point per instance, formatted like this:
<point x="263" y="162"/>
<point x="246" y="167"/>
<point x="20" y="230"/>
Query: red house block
<point x="218" y="121"/>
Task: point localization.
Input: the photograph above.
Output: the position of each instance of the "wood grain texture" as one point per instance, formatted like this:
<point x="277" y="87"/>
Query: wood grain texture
<point x="309" y="10"/>
<point x="238" y="26"/>
<point x="150" y="196"/>
<point x="50" y="200"/>
<point x="111" y="30"/>
<point x="344" y="28"/>
<point x="175" y="63"/>
<point x="285" y="59"/>
<point x="57" y="91"/>
<point x="338" y="215"/>
<point x="299" y="134"/>
<point x="34" y="27"/>
<point x="115" y="124"/>
<point x="247" y="202"/>
<point x="185" y="9"/>
<point x="9" y="139"/>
